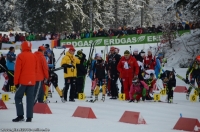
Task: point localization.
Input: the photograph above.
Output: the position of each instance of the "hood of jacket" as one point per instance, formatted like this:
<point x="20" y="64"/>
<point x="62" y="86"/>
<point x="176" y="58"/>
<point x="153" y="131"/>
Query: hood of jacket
<point x="26" y="46"/>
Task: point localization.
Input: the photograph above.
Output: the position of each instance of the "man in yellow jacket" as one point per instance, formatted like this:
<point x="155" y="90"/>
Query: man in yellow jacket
<point x="69" y="62"/>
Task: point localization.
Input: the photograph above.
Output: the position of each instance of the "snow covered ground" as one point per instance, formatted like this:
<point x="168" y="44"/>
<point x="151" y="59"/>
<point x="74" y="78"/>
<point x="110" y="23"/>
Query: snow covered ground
<point x="160" y="117"/>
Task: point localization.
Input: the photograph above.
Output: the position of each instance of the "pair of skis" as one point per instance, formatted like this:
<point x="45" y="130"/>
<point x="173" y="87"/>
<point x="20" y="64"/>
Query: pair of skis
<point x="93" y="100"/>
<point x="183" y="79"/>
<point x="89" y="61"/>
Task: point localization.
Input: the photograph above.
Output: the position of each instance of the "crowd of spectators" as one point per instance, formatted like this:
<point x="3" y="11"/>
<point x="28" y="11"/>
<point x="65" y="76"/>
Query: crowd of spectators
<point x="12" y="38"/>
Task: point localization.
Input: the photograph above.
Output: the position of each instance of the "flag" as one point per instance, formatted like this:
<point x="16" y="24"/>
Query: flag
<point x="54" y="43"/>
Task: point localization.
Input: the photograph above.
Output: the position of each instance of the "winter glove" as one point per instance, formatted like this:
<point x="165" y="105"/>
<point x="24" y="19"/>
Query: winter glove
<point x="68" y="66"/>
<point x="64" y="65"/>
<point x="65" y="68"/>
<point x="186" y="80"/>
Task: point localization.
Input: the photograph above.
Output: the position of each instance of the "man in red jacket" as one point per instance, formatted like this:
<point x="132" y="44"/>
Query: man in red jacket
<point x="41" y="74"/>
<point x="24" y="80"/>
<point x="149" y="61"/>
<point x="129" y="69"/>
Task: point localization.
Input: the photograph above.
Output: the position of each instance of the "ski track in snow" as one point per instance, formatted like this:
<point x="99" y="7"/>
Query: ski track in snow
<point x="160" y="117"/>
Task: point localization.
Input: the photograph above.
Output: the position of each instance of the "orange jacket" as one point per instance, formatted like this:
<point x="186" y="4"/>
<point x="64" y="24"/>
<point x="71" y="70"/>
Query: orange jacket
<point x="42" y="68"/>
<point x="25" y="66"/>
<point x="131" y="71"/>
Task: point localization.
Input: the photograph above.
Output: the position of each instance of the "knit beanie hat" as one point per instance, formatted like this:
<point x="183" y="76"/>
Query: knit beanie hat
<point x="98" y="55"/>
<point x="79" y="52"/>
<point x="126" y="52"/>
<point x="135" y="50"/>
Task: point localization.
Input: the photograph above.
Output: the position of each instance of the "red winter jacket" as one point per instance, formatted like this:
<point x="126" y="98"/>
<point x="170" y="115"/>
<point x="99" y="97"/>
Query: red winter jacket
<point x="150" y="62"/>
<point x="42" y="67"/>
<point x="131" y="71"/>
<point x="25" y="66"/>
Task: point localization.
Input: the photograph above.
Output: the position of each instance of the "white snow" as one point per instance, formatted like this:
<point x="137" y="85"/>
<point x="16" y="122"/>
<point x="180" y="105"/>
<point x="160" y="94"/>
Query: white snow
<point x="160" y="117"/>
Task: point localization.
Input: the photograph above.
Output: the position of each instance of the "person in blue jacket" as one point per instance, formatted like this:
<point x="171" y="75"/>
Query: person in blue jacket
<point x="53" y="77"/>
<point x="10" y="63"/>
<point x="49" y="53"/>
<point x="158" y="68"/>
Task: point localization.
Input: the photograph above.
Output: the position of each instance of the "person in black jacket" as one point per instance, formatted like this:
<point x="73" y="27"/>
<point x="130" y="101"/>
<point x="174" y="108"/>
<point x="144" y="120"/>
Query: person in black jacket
<point x="3" y="62"/>
<point x="137" y="56"/>
<point x="81" y="72"/>
<point x="100" y="76"/>
<point x="169" y="80"/>
<point x="3" y="71"/>
<point x="113" y="74"/>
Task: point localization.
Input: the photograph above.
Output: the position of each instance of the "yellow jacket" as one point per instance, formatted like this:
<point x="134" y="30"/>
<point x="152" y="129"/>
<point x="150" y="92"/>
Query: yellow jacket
<point x="70" y="59"/>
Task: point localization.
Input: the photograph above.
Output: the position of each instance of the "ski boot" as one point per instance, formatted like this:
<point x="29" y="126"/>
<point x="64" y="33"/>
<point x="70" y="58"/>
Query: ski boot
<point x="96" y="98"/>
<point x="170" y="100"/>
<point x="49" y="94"/>
<point x="143" y="98"/>
<point x="63" y="100"/>
<point x="46" y="101"/>
<point x="131" y="100"/>
<point x="108" y="93"/>
<point x="103" y="98"/>
<point x="72" y="100"/>
<point x="92" y="93"/>
<point x="91" y="100"/>
<point x="137" y="100"/>
<point x="188" y="93"/>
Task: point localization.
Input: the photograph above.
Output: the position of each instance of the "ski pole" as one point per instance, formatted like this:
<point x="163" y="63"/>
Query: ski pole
<point x="56" y="69"/>
<point x="90" y="54"/>
<point x="7" y="70"/>
<point x="130" y="50"/>
<point x="60" y="56"/>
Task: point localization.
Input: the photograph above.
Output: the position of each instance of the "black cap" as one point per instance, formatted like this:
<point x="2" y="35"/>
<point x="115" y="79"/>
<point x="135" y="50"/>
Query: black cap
<point x="46" y="45"/>
<point x="142" y="51"/>
<point x="11" y="48"/>
<point x="79" y="52"/>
